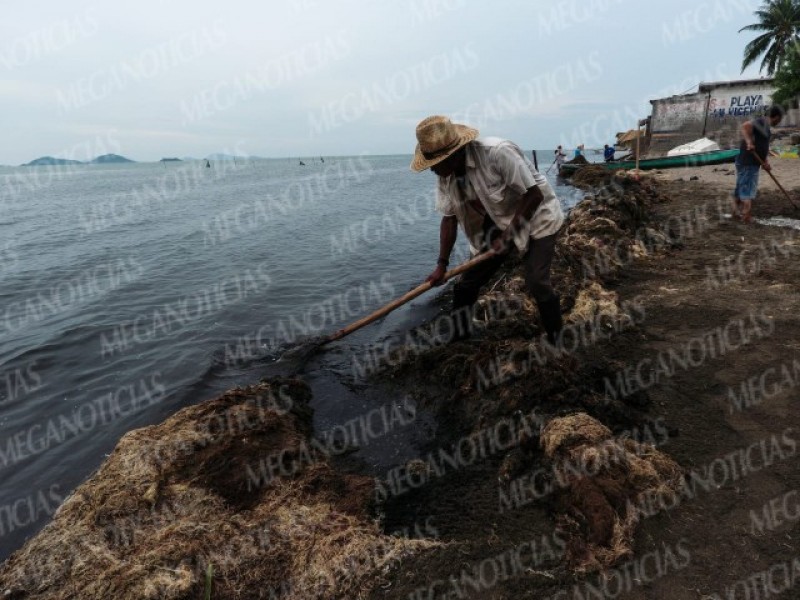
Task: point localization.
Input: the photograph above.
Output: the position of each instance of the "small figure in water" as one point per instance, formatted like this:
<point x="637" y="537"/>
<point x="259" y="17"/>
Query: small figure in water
<point x="322" y="160"/>
<point x="302" y="164"/>
<point x="560" y="156"/>
<point x="208" y="164"/>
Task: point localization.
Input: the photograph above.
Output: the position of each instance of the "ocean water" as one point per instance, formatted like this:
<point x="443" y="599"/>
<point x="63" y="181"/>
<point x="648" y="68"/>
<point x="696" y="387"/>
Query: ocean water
<point x="130" y="291"/>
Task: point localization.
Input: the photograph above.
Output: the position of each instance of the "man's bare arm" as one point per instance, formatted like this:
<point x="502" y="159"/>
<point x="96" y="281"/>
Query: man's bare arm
<point x="747" y="134"/>
<point x="448" y="232"/>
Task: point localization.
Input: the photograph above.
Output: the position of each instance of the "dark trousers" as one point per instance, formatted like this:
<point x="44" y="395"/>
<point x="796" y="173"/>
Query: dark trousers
<point x="536" y="264"/>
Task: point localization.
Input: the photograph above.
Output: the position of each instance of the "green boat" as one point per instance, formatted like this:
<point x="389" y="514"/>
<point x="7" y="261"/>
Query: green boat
<point x="717" y="157"/>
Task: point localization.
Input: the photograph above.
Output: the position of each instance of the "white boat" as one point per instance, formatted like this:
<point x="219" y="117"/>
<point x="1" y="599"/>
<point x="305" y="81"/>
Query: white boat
<point x="695" y="147"/>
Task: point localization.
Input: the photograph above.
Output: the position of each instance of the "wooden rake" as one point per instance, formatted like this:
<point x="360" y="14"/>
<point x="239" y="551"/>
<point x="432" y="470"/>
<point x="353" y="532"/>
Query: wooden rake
<point x="775" y="179"/>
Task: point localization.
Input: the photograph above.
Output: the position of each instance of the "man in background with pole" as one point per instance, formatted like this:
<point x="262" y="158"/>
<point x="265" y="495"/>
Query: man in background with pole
<point x="560" y="157"/>
<point x="754" y="146"/>
<point x="489" y="188"/>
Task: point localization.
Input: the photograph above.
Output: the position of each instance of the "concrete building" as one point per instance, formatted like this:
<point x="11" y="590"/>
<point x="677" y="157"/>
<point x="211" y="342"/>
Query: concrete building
<point x="716" y="111"/>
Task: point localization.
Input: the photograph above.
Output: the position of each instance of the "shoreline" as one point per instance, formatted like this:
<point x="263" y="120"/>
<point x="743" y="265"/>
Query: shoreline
<point x="653" y="296"/>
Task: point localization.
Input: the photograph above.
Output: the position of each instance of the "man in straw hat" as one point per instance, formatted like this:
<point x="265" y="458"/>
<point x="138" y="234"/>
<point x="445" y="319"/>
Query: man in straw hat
<point x="500" y="200"/>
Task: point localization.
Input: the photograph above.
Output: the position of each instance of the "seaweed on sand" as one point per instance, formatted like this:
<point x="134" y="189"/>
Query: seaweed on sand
<point x="510" y="370"/>
<point x="509" y="367"/>
<point x="598" y="504"/>
<point x="232" y="482"/>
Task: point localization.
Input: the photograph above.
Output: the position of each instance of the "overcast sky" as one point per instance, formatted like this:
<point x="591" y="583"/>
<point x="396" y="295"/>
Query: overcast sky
<point x="150" y="79"/>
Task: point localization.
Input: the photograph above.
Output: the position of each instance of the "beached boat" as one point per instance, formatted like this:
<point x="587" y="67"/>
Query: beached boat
<point x="664" y="162"/>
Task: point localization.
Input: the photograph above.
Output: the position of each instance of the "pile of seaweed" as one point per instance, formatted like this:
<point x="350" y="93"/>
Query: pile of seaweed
<point x="591" y="176"/>
<point x="509" y="369"/>
<point x="598" y="513"/>
<point x="578" y="160"/>
<point x="226" y="498"/>
<point x="509" y="366"/>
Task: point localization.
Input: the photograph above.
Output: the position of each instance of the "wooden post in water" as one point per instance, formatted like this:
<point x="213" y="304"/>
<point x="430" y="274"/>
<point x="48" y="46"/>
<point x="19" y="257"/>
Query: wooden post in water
<point x="535" y="160"/>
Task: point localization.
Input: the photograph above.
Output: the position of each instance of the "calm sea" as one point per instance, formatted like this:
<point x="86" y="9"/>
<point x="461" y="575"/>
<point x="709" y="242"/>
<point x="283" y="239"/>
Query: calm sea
<point x="130" y="291"/>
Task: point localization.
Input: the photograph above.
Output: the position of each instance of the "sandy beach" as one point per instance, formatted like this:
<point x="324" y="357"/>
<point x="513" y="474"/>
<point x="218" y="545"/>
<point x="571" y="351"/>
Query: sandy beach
<point x="786" y="170"/>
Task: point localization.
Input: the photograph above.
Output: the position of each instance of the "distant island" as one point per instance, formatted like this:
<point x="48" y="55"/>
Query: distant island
<point x="106" y="159"/>
<point x="49" y="161"/>
<point x="111" y="158"/>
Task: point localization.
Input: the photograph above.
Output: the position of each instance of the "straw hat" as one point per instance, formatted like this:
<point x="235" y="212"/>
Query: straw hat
<point x="437" y="139"/>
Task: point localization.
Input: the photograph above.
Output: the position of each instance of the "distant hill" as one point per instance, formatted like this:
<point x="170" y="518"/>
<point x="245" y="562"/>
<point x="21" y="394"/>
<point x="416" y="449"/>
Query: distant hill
<point x="111" y="158"/>
<point x="170" y="160"/>
<point x="50" y="161"/>
<point x="100" y="160"/>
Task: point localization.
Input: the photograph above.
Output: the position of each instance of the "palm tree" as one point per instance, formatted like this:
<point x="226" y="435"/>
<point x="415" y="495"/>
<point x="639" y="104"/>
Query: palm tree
<point x="780" y="22"/>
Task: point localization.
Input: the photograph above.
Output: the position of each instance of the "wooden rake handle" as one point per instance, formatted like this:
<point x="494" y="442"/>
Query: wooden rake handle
<point x="407" y="297"/>
<point x="775" y="179"/>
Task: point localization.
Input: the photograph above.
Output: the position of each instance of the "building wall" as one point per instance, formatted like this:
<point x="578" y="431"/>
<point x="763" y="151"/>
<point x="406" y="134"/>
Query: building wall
<point x="730" y="106"/>
<point x="792" y="118"/>
<point x="675" y="121"/>
<point x="716" y="112"/>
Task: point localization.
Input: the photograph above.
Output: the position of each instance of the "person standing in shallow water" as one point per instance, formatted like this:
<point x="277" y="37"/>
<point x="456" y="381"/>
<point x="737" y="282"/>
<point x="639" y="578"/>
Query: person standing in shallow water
<point x="488" y="188"/>
<point x="755" y="139"/>
<point x="561" y="156"/>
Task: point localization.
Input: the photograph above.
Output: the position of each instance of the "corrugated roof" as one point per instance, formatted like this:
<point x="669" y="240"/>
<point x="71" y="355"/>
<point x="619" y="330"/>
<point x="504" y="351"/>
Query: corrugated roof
<point x="677" y="97"/>
<point x="707" y="86"/>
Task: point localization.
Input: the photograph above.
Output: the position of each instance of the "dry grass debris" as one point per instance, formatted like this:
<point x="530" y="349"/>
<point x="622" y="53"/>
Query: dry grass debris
<point x="604" y="482"/>
<point x="190" y="492"/>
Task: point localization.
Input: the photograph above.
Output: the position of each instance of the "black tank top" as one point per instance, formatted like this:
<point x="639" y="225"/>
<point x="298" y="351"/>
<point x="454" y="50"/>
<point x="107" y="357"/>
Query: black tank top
<point x="761" y="135"/>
